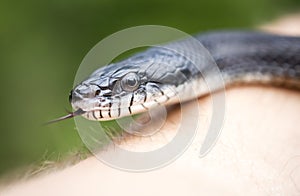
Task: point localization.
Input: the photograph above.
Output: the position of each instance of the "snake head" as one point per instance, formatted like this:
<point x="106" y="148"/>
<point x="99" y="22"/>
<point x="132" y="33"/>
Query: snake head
<point x="118" y="90"/>
<point x="142" y="82"/>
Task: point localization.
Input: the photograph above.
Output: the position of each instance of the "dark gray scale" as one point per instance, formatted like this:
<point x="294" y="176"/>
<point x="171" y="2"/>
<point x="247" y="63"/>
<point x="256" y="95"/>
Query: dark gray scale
<point x="241" y="53"/>
<point x="168" y="67"/>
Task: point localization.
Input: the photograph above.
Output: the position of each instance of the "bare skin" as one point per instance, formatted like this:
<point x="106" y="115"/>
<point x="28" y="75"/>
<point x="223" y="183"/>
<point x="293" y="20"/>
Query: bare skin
<point x="258" y="152"/>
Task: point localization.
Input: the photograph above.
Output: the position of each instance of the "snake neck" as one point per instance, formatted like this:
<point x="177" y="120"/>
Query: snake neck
<point x="255" y="57"/>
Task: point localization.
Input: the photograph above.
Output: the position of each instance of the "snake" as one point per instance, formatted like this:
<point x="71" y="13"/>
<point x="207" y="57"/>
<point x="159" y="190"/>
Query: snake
<point x="159" y="75"/>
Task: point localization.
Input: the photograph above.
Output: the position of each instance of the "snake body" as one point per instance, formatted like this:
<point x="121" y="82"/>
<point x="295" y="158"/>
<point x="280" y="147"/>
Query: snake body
<point x="159" y="75"/>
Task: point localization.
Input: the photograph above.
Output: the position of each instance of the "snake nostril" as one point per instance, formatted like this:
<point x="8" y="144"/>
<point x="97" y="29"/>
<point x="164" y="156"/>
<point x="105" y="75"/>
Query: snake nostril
<point x="97" y="92"/>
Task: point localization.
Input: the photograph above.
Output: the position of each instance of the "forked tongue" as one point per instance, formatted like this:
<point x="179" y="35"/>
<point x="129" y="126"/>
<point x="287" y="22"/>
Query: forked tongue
<point x="70" y="115"/>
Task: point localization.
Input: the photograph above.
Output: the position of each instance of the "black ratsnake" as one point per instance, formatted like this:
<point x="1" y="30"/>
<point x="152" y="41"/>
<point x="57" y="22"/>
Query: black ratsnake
<point x="143" y="81"/>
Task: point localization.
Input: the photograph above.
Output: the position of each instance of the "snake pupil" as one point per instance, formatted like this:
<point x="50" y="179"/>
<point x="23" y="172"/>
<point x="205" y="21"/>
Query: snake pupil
<point x="131" y="82"/>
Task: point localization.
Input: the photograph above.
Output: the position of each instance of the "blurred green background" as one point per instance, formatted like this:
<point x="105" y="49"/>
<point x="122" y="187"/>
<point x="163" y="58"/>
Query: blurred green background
<point x="43" y="42"/>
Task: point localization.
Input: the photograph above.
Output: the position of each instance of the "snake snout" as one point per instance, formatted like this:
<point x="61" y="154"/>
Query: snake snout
<point x="74" y="96"/>
<point x="83" y="92"/>
<point x="70" y="96"/>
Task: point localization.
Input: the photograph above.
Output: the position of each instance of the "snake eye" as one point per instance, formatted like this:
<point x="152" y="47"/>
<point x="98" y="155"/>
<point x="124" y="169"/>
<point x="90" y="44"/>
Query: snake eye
<point x="130" y="82"/>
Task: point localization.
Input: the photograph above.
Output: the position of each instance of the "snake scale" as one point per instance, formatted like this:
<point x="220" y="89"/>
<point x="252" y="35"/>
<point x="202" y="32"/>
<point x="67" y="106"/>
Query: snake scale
<point x="158" y="75"/>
